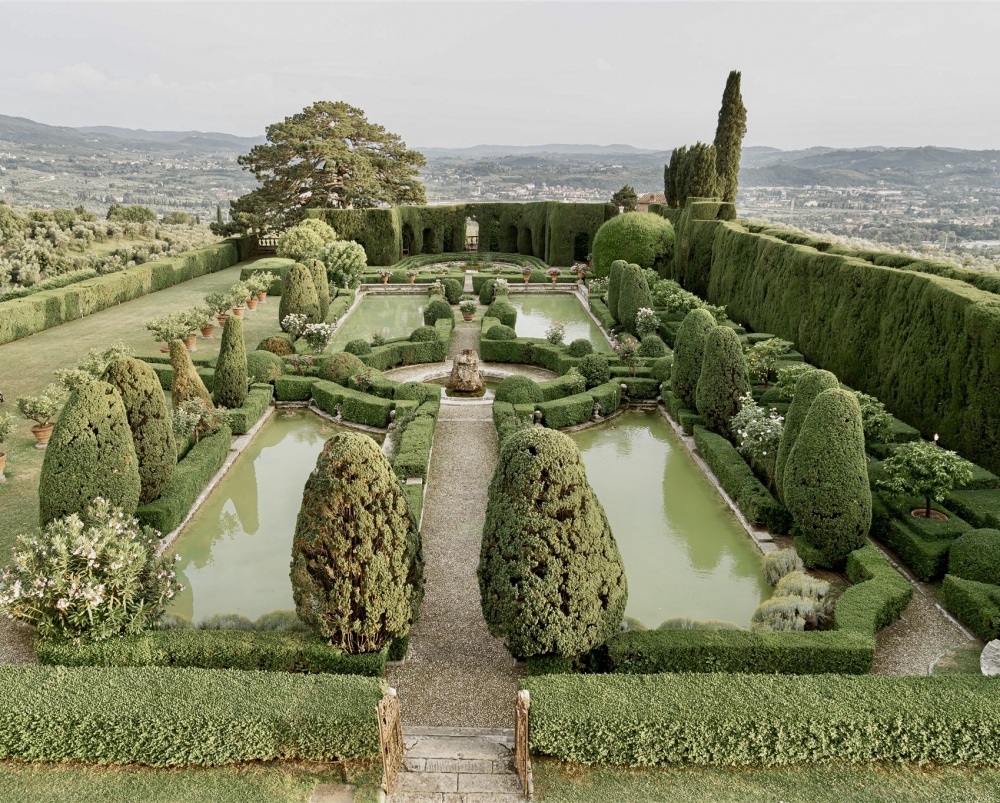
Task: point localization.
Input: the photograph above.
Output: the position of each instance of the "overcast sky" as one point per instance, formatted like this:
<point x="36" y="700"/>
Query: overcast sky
<point x="448" y="74"/>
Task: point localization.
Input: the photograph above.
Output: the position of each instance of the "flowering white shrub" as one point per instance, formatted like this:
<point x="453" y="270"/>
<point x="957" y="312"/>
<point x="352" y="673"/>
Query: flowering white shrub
<point x="501" y="287"/>
<point x="295" y="325"/>
<point x="318" y="335"/>
<point x="555" y="332"/>
<point x="646" y="322"/>
<point x="95" y="577"/>
<point x="757" y="433"/>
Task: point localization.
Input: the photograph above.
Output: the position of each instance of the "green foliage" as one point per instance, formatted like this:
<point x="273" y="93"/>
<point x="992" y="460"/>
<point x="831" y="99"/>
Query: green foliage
<point x="305" y="240"/>
<point x="264" y="365"/>
<point x="625" y="197"/>
<point x="696" y="173"/>
<point x="580" y="348"/>
<point x="924" y="469"/>
<point x="723" y="382"/>
<point x="90" y="455"/>
<point x="809" y="385"/>
<point x="671" y="173"/>
<point x="500" y="332"/>
<point x="662" y="369"/>
<point x="345" y="260"/>
<point x="976" y="604"/>
<point x="976" y="556"/>
<point x="788" y="376"/>
<point x="550" y="574"/>
<point x="486" y="291"/>
<point x="355" y="548"/>
<point x="729" y="135"/>
<point x="689" y="351"/>
<point x="231" y="372"/>
<point x="518" y="389"/>
<point x="633" y="295"/>
<point x="757" y="434"/>
<point x="614" y="279"/>
<point x="826" y="480"/>
<point x="763" y="356"/>
<point x="131" y="214"/>
<point x="299" y="296"/>
<point x="358" y="347"/>
<point x="241" y="419"/>
<point x="162" y="716"/>
<point x="503" y="312"/>
<point x="875" y="421"/>
<point x="636" y="237"/>
<point x="149" y="421"/>
<point x="318" y="272"/>
<point x="437" y="309"/>
<point x="341" y="366"/>
<point x="424" y="334"/>
<point x="452" y="290"/>
<point x="776" y="565"/>
<point x="595" y="370"/>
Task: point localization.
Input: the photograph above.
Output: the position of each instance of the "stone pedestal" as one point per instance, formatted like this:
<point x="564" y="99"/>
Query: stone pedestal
<point x="989" y="661"/>
<point x="465" y="375"/>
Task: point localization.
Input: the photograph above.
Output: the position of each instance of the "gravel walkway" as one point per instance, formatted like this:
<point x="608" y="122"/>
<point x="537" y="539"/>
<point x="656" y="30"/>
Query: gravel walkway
<point x="17" y="642"/>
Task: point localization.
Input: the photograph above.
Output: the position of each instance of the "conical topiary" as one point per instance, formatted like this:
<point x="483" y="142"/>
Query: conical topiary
<point x="231" y="375"/>
<point x="298" y="296"/>
<point x="356" y="552"/>
<point x="550" y="573"/>
<point x="689" y="348"/>
<point x="322" y="284"/>
<point x="149" y="420"/>
<point x="187" y="383"/>
<point x="826" y="477"/>
<point x="808" y="387"/>
<point x="632" y="296"/>
<point x="724" y="380"/>
<point x="90" y="455"/>
<point x="615" y="285"/>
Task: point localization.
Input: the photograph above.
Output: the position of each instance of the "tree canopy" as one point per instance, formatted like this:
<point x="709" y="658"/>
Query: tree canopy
<point x="326" y="156"/>
<point x="626" y="197"/>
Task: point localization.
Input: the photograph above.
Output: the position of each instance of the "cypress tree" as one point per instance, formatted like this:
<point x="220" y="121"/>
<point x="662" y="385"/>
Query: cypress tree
<point x="232" y="377"/>
<point x="670" y="174"/>
<point x="90" y="454"/>
<point x="689" y="349"/>
<point x="218" y="214"/>
<point x="826" y="478"/>
<point x="149" y="420"/>
<point x="729" y="135"/>
<point x="356" y="551"/>
<point x="809" y="386"/>
<point x="723" y="381"/>
<point x="550" y="574"/>
<point x="299" y="295"/>
<point x="187" y="383"/>
<point x="633" y="295"/>
<point x="322" y="284"/>
<point x="615" y="286"/>
<point x="701" y="178"/>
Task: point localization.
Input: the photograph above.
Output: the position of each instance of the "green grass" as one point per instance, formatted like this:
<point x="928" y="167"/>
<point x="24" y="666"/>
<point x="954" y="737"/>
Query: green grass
<point x="556" y="782"/>
<point x="959" y="661"/>
<point x="26" y="366"/>
<point x="244" y="783"/>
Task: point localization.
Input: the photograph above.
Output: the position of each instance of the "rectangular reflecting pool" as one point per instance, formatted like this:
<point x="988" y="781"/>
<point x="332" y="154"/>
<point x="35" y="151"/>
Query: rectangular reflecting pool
<point x="536" y="311"/>
<point x="390" y="316"/>
<point x="685" y="553"/>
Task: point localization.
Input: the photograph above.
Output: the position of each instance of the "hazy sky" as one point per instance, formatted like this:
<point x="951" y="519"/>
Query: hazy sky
<point x="452" y="74"/>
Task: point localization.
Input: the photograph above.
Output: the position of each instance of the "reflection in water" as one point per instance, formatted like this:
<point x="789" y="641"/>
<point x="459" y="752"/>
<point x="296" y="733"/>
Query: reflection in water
<point x="236" y="550"/>
<point x="536" y="312"/>
<point x="390" y="316"/>
<point x="685" y="553"/>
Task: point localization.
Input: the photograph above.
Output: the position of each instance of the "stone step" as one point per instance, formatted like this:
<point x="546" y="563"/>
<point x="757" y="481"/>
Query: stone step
<point x="456" y="747"/>
<point x="473" y="765"/>
<point x="455" y="797"/>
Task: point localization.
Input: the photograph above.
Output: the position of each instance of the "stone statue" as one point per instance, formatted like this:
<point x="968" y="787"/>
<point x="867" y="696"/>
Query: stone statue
<point x="465" y="375"/>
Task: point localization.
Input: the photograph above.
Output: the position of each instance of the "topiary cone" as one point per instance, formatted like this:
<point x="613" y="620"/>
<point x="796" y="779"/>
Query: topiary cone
<point x="724" y="380"/>
<point x="689" y="350"/>
<point x="187" y="383"/>
<point x="231" y="375"/>
<point x="807" y="388"/>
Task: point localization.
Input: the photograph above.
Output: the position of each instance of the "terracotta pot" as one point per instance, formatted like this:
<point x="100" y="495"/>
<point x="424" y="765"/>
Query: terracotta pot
<point x="221" y="318"/>
<point x="467" y="316"/>
<point x="252" y="303"/>
<point x="206" y="331"/>
<point x="413" y="279"/>
<point x="554" y="278"/>
<point x="3" y="462"/>
<point x="936" y="515"/>
<point x="42" y="433"/>
<point x="579" y="275"/>
<point x="238" y="311"/>
<point x="165" y="349"/>
<point x="385" y="280"/>
<point x="527" y="278"/>
<point x="191" y="340"/>
<point x="262" y="296"/>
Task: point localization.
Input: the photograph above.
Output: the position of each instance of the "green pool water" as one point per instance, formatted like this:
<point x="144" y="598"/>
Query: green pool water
<point x="391" y="316"/>
<point x="685" y="553"/>
<point x="236" y="550"/>
<point x="536" y="311"/>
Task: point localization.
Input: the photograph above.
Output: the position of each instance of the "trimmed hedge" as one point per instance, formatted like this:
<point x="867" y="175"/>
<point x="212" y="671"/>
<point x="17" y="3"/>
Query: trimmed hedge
<point x="977" y="605"/>
<point x="635" y="237"/>
<point x="242" y="419"/>
<point x="753" y="720"/>
<point x="414" y="453"/>
<point x="358" y="407"/>
<point x="293" y="388"/>
<point x="162" y="717"/>
<point x="213" y="649"/>
<point x="979" y="508"/>
<point x="187" y="482"/>
<point x="976" y="556"/>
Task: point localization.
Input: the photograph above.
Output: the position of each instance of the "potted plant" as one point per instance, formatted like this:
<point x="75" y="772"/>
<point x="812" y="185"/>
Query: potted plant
<point x="580" y="268"/>
<point x="554" y="274"/>
<point x="435" y="289"/>
<point x="411" y="275"/>
<point x="384" y="273"/>
<point x="219" y="304"/>
<point x="526" y="273"/>
<point x="171" y="327"/>
<point x="6" y="425"/>
<point x="41" y="409"/>
<point x="260" y="283"/>
<point x="202" y="317"/>
<point x="239" y="297"/>
<point x="468" y="309"/>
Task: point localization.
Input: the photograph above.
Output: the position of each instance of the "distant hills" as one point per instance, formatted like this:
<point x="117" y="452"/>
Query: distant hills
<point x="555" y="148"/>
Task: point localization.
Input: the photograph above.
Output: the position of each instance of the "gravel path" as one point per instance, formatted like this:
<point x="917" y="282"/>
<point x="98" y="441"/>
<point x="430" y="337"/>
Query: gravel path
<point x="17" y="642"/>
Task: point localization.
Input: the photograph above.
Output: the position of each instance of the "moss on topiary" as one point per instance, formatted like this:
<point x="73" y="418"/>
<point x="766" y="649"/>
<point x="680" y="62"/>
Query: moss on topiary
<point x="807" y="388"/>
<point x="504" y="312"/>
<point x="423" y="334"/>
<point x="518" y="390"/>
<point x="638" y="237"/>
<point x="615" y="285"/>
<point x="975" y="555"/>
<point x="90" y="455"/>
<point x="317" y="270"/>
<point x="149" y="421"/>
<point x="299" y="296"/>
<point x="187" y="384"/>
<point x="826" y="477"/>
<point x="689" y="349"/>
<point x="724" y="381"/>
<point x="356" y="550"/>
<point x="437" y="309"/>
<point x="551" y="577"/>
<point x="580" y="348"/>
<point x="341" y="366"/>
<point x="358" y="347"/>
<point x="231" y="375"/>
<point x="499" y="332"/>
<point x="276" y="345"/>
<point x="652" y="347"/>
<point x="632" y="296"/>
<point x="263" y="366"/>
<point x="595" y="370"/>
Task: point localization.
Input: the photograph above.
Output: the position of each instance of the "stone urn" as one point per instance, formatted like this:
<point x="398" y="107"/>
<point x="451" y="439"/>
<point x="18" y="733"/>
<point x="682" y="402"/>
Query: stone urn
<point x="465" y="375"/>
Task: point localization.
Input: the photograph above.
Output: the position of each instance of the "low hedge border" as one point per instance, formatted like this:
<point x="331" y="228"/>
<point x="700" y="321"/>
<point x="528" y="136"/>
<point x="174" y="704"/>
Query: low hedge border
<point x="189" y="479"/>
<point x="602" y="313"/>
<point x="579" y="408"/>
<point x="921" y="544"/>
<point x="981" y="508"/>
<point x="414" y="452"/>
<point x="976" y="605"/>
<point x="161" y="716"/>
<point x="242" y="419"/>
<point x="764" y="720"/>
<point x="357" y="407"/>
<point x="213" y="649"/>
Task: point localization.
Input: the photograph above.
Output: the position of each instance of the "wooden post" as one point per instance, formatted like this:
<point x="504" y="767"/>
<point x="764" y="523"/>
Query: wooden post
<point x="390" y="736"/>
<point x="522" y="754"/>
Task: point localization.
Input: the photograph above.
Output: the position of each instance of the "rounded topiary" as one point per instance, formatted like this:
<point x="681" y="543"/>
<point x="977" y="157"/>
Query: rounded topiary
<point x="580" y="348"/>
<point x="322" y="284"/>
<point x="276" y="345"/>
<point x="518" y="390"/>
<point x="437" y="309"/>
<point x="423" y="334"/>
<point x="826" y="477"/>
<point x="975" y="555"/>
<point x="595" y="370"/>
<point x="341" y="366"/>
<point x="551" y="577"/>
<point x="614" y="285"/>
<point x="499" y="332"/>
<point x="652" y="347"/>
<point x="724" y="380"/>
<point x="807" y="388"/>
<point x="299" y="296"/>
<point x="416" y="391"/>
<point x="263" y="366"/>
<point x="689" y="349"/>
<point x="504" y="312"/>
<point x="149" y="421"/>
<point x="90" y="455"/>
<point x="638" y="237"/>
<point x="662" y="369"/>
<point x="633" y="295"/>
<point x="356" y="550"/>
<point x="452" y="290"/>
<point x="486" y="291"/>
<point x="187" y="384"/>
<point x="358" y="347"/>
<point x="229" y="388"/>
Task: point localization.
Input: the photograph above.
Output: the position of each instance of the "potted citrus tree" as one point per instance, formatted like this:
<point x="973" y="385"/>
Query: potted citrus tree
<point x="171" y="327"/>
<point x="468" y="309"/>
<point x="42" y="409"/>
<point x="6" y="426"/>
<point x="239" y="297"/>
<point x="202" y="317"/>
<point x="219" y="304"/>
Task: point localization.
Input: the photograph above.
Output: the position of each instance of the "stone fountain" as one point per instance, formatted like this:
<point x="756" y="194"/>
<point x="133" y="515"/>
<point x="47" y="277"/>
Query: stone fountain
<point x="466" y="378"/>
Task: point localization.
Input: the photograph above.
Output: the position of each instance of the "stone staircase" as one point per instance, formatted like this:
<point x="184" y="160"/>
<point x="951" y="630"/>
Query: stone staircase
<point x="457" y="765"/>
